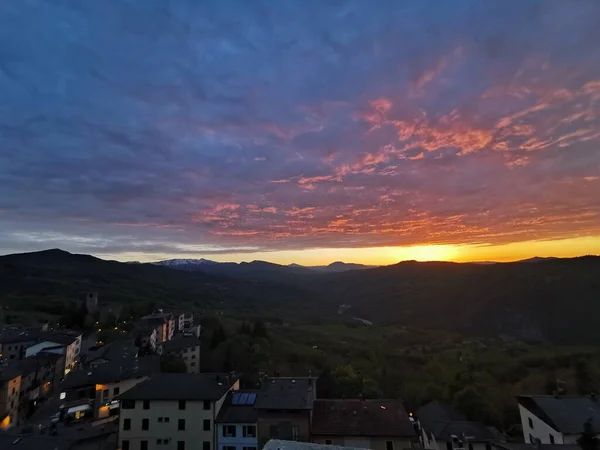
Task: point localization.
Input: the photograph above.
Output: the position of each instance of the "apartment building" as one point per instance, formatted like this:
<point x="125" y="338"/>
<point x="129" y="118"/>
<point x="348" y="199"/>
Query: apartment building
<point x="40" y="374"/>
<point x="10" y="390"/>
<point x="164" y="324"/>
<point x="373" y="424"/>
<point x="175" y="411"/>
<point x="443" y="427"/>
<point x="236" y="422"/>
<point x="13" y="344"/>
<point x="187" y="348"/>
<point x="94" y="392"/>
<point x="549" y="419"/>
<point x="284" y="407"/>
<point x="62" y="343"/>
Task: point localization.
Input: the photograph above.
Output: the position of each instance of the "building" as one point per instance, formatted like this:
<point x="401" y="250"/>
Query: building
<point x="275" y="444"/>
<point x="185" y="321"/>
<point x="147" y="337"/>
<point x="62" y="343"/>
<point x="163" y="322"/>
<point x="40" y="374"/>
<point x="284" y="409"/>
<point x="10" y="391"/>
<point x="443" y="427"/>
<point x="187" y="348"/>
<point x="537" y="446"/>
<point x="177" y="410"/>
<point x="93" y="392"/>
<point x="13" y="343"/>
<point x="236" y="422"/>
<point x="374" y="424"/>
<point x="557" y="419"/>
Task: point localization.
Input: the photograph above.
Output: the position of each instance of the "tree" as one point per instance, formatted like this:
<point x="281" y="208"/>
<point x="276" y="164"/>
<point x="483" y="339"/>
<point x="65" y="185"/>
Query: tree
<point x="218" y="336"/>
<point x="470" y="402"/>
<point x="588" y="439"/>
<point x="172" y="364"/>
<point x="259" y="329"/>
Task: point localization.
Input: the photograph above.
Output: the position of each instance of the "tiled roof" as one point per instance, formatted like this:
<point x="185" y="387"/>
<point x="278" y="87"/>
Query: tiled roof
<point x="445" y="421"/>
<point x="286" y="393"/>
<point x="565" y="414"/>
<point x="112" y="371"/>
<point x="177" y="344"/>
<point x="232" y="413"/>
<point x="361" y="418"/>
<point x="181" y="386"/>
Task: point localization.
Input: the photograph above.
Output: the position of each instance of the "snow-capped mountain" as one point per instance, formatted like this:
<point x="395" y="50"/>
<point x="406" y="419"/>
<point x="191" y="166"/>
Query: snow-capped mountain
<point x="185" y="262"/>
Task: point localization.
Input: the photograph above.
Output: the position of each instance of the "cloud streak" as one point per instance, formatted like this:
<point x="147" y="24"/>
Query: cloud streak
<point x="184" y="126"/>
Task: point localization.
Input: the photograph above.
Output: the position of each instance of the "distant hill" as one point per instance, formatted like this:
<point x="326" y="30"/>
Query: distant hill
<point x="553" y="300"/>
<point x="340" y="266"/>
<point x="253" y="270"/>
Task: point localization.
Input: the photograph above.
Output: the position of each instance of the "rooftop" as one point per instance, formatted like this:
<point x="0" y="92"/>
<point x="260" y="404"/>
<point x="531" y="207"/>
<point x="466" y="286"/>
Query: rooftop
<point x="275" y="444"/>
<point x="181" y="386"/>
<point x="238" y="408"/>
<point x="445" y="421"/>
<point x="287" y="393"/>
<point x="565" y="414"/>
<point x="361" y="418"/>
<point x="180" y="343"/>
<point x="112" y="371"/>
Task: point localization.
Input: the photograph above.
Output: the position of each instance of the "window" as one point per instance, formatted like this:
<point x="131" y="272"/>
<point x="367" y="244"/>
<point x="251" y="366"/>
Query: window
<point x="531" y="439"/>
<point x="124" y="445"/>
<point x="181" y="424"/>
<point x="166" y="419"/>
<point x="180" y="445"/>
<point x="327" y="441"/>
<point x="470" y="446"/>
<point x="249" y="431"/>
<point x="206" y="425"/>
<point x="551" y="439"/>
<point x="229" y="430"/>
<point x="159" y="441"/>
<point x="206" y="405"/>
<point x="389" y="445"/>
<point x="448" y="445"/>
<point x="488" y="446"/>
<point x="192" y="364"/>
<point x="14" y="390"/>
<point x="530" y="423"/>
<point x="105" y="394"/>
<point x="146" y="404"/>
<point x="248" y="448"/>
<point x="160" y="419"/>
<point x="206" y="445"/>
<point x="143" y="445"/>
<point x="296" y="433"/>
<point x="229" y="447"/>
<point x="193" y="357"/>
<point x="128" y="404"/>
<point x="127" y="424"/>
<point x="181" y="404"/>
<point x="145" y="424"/>
<point x="116" y="391"/>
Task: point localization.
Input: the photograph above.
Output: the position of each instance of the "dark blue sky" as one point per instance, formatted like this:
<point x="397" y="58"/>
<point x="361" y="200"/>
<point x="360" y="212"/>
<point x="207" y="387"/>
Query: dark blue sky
<point x="191" y="127"/>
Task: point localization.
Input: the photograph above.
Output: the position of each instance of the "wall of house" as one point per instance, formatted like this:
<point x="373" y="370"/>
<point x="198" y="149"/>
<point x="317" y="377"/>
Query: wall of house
<point x="191" y="357"/>
<point x="540" y="430"/>
<point x="374" y="443"/>
<point x="16" y="350"/>
<point x="106" y="393"/>
<point x="10" y="391"/>
<point x="238" y="441"/>
<point x="194" y="434"/>
<point x="267" y="419"/>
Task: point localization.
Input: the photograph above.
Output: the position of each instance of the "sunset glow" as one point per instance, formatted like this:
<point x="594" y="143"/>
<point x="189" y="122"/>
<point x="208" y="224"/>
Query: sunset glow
<point x="306" y="132"/>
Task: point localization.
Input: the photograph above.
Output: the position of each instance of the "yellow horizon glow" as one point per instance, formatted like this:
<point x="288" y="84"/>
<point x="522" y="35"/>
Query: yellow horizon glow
<point x="562" y="248"/>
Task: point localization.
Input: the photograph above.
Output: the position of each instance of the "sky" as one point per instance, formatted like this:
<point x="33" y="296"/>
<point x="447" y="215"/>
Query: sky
<point x="300" y="131"/>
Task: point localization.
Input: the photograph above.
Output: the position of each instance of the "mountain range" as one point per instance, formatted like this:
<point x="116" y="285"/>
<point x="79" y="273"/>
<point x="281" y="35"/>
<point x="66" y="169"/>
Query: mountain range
<point x="553" y="300"/>
<point x="245" y="268"/>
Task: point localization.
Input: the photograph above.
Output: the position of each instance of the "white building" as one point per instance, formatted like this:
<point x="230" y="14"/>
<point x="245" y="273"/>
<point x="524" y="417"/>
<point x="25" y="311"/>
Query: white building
<point x="187" y="348"/>
<point x="67" y="344"/>
<point x="174" y="411"/>
<point x="236" y="423"/>
<point x="443" y="427"/>
<point x="557" y="419"/>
